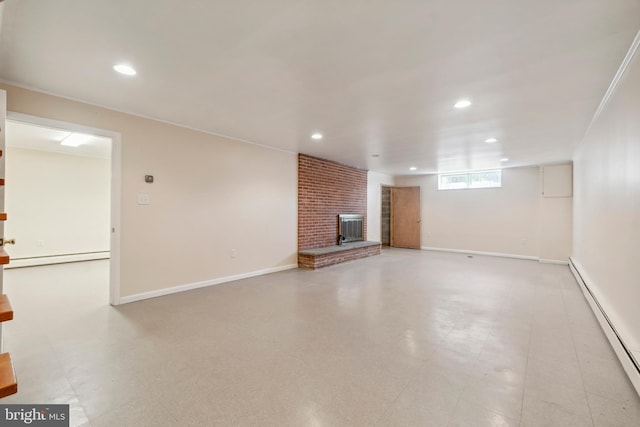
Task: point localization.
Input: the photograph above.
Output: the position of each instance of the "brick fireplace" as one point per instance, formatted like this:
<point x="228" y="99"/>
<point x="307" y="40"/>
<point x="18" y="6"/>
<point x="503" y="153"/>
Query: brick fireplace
<point x="326" y="190"/>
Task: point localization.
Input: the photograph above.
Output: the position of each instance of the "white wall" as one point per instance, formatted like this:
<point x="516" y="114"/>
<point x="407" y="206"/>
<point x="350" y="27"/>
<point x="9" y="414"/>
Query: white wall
<point x="555" y="212"/>
<point x="211" y="195"/>
<point x="59" y="200"/>
<point x="512" y="220"/>
<point x="375" y="181"/>
<point x="607" y="208"/>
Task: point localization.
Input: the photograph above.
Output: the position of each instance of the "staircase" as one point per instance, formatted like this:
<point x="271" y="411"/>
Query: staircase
<point x="8" y="382"/>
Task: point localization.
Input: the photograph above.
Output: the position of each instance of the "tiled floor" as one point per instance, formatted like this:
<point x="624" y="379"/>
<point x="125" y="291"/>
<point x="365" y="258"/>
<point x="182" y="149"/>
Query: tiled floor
<point x="408" y="338"/>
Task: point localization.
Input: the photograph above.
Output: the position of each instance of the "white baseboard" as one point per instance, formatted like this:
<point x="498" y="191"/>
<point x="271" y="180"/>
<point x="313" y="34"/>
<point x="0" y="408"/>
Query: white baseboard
<point x="554" y="261"/>
<point x="56" y="259"/>
<point x="190" y="286"/>
<point x="627" y="357"/>
<point x="498" y="254"/>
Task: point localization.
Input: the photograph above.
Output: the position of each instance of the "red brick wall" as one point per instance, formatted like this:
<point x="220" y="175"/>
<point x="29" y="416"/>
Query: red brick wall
<point x="319" y="261"/>
<point x="325" y="190"/>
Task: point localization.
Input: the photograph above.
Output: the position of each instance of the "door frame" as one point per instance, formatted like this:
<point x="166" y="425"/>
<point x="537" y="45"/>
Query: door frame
<point x="116" y="187"/>
<point x="391" y="188"/>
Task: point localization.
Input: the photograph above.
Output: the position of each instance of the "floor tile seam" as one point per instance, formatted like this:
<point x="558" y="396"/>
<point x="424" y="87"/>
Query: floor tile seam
<point x="77" y="396"/>
<point x="101" y="413"/>
<point x="390" y="404"/>
<point x="453" y="411"/>
<point x="484" y="344"/>
<point x="65" y="374"/>
<point x="584" y="391"/>
<point x="463" y="396"/>
<point x="526" y="373"/>
<point x="485" y="407"/>
<point x="606" y="396"/>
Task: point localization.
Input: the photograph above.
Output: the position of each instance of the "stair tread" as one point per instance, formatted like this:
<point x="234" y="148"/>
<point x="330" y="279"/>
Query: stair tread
<point x="4" y="257"/>
<point x="8" y="382"/>
<point x="6" y="311"/>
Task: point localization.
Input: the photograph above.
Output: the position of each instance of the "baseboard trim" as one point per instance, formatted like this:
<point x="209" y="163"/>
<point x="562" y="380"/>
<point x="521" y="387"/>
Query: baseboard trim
<point x="56" y="259"/>
<point x="496" y="254"/>
<point x="625" y="355"/>
<point x="204" y="284"/>
<point x="554" y="261"/>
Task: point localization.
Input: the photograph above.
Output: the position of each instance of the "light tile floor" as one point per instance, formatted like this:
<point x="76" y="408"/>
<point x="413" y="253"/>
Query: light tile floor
<point x="408" y="338"/>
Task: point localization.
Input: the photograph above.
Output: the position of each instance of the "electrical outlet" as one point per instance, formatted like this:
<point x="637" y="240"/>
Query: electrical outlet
<point x="39" y="243"/>
<point x="233" y="253"/>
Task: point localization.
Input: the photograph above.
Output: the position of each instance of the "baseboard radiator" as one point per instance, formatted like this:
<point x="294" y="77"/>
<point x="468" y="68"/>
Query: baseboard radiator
<point x="628" y="361"/>
<point x="57" y="259"/>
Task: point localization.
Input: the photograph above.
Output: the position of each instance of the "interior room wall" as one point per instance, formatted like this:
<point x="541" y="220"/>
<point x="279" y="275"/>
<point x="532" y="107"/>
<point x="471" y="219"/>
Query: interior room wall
<point x="59" y="204"/>
<point x="504" y="221"/>
<point x="556" y="212"/>
<point x="211" y="195"/>
<point x="607" y="207"/>
<point x="375" y="181"/>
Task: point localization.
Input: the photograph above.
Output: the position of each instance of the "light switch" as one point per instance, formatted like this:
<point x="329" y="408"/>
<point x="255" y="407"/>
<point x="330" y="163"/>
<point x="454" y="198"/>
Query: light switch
<point x="143" y="199"/>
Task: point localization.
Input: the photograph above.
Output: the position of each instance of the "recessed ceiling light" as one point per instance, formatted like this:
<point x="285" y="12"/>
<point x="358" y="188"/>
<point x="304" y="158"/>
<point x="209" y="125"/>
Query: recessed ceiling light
<point x="75" y="140"/>
<point x="504" y="159"/>
<point x="125" y="69"/>
<point x="490" y="140"/>
<point x="316" y="136"/>
<point x="413" y="168"/>
<point x="462" y="103"/>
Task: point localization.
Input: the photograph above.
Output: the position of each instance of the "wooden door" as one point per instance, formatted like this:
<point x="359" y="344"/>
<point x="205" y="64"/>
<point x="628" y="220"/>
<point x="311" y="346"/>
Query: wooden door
<point x="405" y="217"/>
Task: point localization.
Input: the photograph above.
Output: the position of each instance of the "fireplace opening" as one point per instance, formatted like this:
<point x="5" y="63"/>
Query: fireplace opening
<point x="350" y="228"/>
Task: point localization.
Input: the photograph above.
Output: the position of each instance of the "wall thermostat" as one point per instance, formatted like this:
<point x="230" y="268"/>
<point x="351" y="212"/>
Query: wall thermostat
<point x="148" y="178"/>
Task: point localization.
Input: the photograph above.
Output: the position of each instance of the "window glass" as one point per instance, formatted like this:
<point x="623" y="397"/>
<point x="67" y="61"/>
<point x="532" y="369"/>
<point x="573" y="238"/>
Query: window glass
<point x="476" y="179"/>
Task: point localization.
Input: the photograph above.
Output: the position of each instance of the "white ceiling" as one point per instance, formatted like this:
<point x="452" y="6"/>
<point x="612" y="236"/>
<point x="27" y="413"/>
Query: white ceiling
<point x="375" y="77"/>
<point x="32" y="137"/>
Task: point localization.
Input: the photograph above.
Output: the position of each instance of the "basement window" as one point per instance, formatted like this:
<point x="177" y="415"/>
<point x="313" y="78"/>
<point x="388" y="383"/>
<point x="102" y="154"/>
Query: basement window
<point x="468" y="180"/>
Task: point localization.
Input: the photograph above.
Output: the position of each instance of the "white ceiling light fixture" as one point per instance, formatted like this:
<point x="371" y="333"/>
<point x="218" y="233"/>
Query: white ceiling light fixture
<point x="317" y="136"/>
<point x="504" y="159"/>
<point x="490" y="140"/>
<point x="413" y="168"/>
<point x="125" y="69"/>
<point x="75" y="140"/>
<point x="462" y="103"/>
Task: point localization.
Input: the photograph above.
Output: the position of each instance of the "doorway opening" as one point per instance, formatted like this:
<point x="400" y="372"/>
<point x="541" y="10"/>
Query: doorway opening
<point x="64" y="195"/>
<point x="385" y="216"/>
<point x="400" y="217"/>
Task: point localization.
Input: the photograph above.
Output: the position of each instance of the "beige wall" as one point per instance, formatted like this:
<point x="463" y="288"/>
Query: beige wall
<point x="512" y="220"/>
<point x="59" y="204"/>
<point x="375" y="181"/>
<point x="607" y="208"/>
<point x="210" y="195"/>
